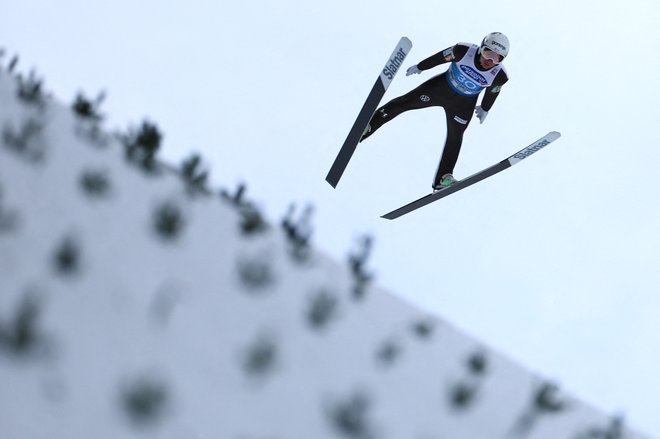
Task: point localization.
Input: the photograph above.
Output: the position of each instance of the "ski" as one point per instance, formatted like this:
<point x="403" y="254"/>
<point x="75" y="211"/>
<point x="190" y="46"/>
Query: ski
<point x="475" y="178"/>
<point x="386" y="76"/>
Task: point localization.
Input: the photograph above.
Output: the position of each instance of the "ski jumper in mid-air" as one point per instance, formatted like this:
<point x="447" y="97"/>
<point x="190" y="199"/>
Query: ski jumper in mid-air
<point x="473" y="68"/>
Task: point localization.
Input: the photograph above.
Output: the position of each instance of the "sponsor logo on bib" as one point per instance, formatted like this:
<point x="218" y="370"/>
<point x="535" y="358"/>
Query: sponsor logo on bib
<point x="473" y="74"/>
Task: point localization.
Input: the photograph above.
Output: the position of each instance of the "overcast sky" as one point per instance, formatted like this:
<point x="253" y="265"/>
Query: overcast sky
<point x="554" y="262"/>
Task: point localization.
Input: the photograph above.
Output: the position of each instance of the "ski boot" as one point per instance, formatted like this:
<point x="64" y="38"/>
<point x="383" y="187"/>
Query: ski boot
<point x="445" y="181"/>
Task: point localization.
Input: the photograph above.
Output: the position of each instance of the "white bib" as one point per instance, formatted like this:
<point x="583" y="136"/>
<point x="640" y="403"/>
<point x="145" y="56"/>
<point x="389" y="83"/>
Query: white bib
<point x="464" y="76"/>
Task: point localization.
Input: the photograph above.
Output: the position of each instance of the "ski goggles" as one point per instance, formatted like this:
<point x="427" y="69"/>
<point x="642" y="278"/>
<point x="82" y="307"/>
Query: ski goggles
<point x="492" y="56"/>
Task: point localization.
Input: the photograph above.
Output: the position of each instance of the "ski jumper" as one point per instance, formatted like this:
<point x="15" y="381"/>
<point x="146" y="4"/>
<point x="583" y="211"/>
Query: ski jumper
<point x="456" y="90"/>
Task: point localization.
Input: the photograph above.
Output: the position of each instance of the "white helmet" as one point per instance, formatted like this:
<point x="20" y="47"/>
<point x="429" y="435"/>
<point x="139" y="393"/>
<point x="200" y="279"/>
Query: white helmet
<point x="497" y="42"/>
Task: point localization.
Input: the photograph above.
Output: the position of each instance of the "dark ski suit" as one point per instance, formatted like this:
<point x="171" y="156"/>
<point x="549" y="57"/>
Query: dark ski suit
<point x="435" y="92"/>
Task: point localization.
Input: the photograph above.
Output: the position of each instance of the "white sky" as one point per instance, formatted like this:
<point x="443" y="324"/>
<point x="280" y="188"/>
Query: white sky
<point x="555" y="262"/>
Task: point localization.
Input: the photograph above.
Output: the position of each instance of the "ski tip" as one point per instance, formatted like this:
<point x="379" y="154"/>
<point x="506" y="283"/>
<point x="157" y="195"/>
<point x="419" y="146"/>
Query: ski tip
<point x="554" y="135"/>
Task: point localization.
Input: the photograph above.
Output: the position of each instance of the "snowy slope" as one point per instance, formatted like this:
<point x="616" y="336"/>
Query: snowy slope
<point x="112" y="329"/>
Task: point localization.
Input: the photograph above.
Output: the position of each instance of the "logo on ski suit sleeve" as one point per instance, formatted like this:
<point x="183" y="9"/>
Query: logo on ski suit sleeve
<point x="465" y="78"/>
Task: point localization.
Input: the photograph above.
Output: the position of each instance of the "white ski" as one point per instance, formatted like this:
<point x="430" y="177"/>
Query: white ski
<point x="368" y="109"/>
<point x="474" y="178"/>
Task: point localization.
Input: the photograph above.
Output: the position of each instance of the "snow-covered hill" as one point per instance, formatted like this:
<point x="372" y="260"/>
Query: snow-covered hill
<point x="134" y="302"/>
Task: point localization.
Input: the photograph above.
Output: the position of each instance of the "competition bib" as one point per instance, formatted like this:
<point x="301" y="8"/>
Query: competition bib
<point x="466" y="79"/>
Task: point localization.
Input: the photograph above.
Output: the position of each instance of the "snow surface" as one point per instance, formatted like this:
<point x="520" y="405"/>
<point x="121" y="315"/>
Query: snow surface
<point x="211" y="332"/>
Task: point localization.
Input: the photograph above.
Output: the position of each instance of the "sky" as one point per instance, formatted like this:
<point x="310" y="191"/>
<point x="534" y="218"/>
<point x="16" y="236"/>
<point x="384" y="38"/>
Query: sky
<point x="553" y="262"/>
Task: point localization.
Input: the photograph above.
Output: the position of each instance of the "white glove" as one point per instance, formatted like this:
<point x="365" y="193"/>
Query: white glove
<point x="481" y="114"/>
<point x="414" y="70"/>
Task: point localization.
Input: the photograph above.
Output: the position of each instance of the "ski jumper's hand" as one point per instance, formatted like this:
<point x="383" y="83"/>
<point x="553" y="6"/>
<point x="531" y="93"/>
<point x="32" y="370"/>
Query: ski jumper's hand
<point x="481" y="114"/>
<point x="414" y="70"/>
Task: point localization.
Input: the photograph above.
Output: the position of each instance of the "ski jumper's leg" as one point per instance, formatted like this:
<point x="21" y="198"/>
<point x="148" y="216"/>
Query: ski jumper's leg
<point x="420" y="97"/>
<point x="456" y="126"/>
<point x="458" y="111"/>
